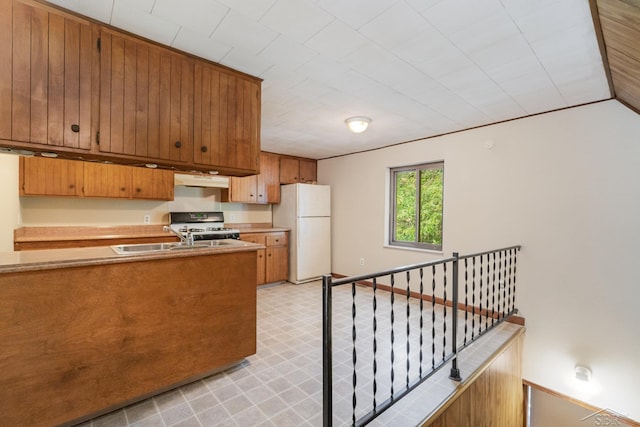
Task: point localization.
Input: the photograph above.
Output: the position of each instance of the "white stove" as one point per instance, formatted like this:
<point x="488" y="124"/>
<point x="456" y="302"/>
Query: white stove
<point x="202" y="225"/>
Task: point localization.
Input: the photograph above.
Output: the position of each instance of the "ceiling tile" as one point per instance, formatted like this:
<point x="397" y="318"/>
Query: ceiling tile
<point x="451" y="16"/>
<point x="98" y="9"/>
<point x="368" y="59"/>
<point x="447" y="62"/>
<point x="355" y="13"/>
<point x="246" y="62"/>
<point x="297" y="19"/>
<point x="555" y="17"/>
<point x="239" y="31"/>
<point x="287" y="53"/>
<point x="143" y="24"/>
<point x="200" y="16"/>
<point x="394" y="26"/>
<point x="253" y="9"/>
<point x="336" y="40"/>
<point x="199" y="45"/>
<point x="424" y="45"/>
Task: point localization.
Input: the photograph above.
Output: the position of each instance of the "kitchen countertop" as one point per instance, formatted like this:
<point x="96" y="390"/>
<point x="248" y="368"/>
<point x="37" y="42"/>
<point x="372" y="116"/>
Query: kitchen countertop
<point x="257" y="227"/>
<point x="12" y="262"/>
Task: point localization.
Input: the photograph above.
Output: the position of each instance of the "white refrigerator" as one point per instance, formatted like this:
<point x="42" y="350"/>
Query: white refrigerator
<point x="306" y="210"/>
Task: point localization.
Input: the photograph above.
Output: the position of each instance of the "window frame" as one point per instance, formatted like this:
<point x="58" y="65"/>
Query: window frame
<point x="392" y="217"/>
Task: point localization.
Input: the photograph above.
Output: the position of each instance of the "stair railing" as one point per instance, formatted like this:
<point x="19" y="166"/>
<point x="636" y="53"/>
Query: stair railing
<point x="489" y="299"/>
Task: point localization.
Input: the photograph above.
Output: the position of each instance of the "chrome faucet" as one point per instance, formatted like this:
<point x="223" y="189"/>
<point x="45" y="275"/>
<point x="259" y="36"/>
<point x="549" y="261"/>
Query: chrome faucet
<point x="188" y="240"/>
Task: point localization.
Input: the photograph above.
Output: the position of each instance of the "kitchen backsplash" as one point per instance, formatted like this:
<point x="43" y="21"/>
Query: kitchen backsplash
<point x="60" y="211"/>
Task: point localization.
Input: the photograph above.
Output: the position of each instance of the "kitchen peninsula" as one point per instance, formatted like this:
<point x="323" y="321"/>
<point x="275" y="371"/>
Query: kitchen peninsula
<point x="84" y="331"/>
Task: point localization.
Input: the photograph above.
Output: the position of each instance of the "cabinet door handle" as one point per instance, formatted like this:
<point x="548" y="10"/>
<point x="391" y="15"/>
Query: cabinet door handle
<point x="123" y="189"/>
<point x="203" y="149"/>
<point x="75" y="128"/>
<point x="178" y="144"/>
<point x="71" y="186"/>
<point x="138" y="190"/>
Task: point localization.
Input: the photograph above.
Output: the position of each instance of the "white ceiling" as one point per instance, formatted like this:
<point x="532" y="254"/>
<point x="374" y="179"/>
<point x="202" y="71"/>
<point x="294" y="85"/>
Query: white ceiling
<point x="418" y="68"/>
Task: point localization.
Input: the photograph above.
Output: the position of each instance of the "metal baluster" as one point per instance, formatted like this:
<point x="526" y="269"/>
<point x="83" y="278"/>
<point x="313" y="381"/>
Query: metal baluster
<point x="408" y="327"/>
<point x="455" y="372"/>
<point x="375" y="343"/>
<point x="466" y="301"/>
<point x="509" y="308"/>
<point x="353" y="338"/>
<point x="504" y="283"/>
<point x="515" y="261"/>
<point x="500" y="284"/>
<point x="473" y="297"/>
<point x="481" y="282"/>
<point x="493" y="290"/>
<point x="421" y="318"/>
<point x="327" y="355"/>
<point x="433" y="317"/>
<point x="392" y="335"/>
<point x="444" y="307"/>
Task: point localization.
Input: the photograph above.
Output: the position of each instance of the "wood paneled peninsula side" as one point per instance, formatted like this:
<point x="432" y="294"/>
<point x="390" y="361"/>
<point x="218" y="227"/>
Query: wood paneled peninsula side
<point x="84" y="331"/>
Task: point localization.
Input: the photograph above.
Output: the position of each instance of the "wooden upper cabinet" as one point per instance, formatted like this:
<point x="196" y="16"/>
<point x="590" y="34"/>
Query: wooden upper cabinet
<point x="308" y="170"/>
<point x="289" y="170"/>
<point x="146" y="99"/>
<point x="46" y="76"/>
<point x="226" y="119"/>
<point x="117" y="181"/>
<point x="155" y="184"/>
<point x="105" y="180"/>
<point x="263" y="188"/>
<point x="40" y="176"/>
<point x="297" y="169"/>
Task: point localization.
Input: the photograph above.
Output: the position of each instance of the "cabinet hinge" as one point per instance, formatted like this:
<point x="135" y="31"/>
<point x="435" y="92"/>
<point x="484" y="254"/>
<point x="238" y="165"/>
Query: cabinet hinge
<point x="98" y="137"/>
<point x="99" y="43"/>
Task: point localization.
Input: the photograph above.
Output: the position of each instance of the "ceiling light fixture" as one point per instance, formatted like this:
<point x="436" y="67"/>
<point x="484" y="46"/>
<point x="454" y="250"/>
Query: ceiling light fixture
<point x="358" y="124"/>
<point x="583" y="373"/>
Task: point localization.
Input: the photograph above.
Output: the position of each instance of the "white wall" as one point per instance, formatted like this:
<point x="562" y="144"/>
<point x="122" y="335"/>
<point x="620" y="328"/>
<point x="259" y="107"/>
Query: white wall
<point x="565" y="185"/>
<point x="9" y="206"/>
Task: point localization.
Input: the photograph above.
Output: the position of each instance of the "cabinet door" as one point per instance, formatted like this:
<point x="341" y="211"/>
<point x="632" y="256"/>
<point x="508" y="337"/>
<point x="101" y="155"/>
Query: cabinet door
<point x="243" y="190"/>
<point x="259" y="238"/>
<point x="45" y="76"/>
<point x="268" y="188"/>
<point x="50" y="177"/>
<point x="154" y="184"/>
<point x="226" y="119"/>
<point x="106" y="180"/>
<point x="289" y="170"/>
<point x="261" y="275"/>
<point x="146" y="99"/>
<point x="308" y="170"/>
<point x="276" y="264"/>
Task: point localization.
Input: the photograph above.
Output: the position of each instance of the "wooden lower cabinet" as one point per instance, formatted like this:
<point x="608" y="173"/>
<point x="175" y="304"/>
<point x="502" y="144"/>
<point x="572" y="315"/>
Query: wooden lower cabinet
<point x="88" y="339"/>
<point x="273" y="261"/>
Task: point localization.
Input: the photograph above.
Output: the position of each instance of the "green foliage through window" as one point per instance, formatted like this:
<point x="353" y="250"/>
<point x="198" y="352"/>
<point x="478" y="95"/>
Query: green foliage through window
<point x="417" y="206"/>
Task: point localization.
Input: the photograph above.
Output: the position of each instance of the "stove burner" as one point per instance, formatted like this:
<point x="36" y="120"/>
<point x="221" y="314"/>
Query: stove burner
<point x="202" y="225"/>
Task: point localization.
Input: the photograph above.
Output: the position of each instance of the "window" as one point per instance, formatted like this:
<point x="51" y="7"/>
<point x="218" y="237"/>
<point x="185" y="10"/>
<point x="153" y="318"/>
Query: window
<point x="416" y="206"/>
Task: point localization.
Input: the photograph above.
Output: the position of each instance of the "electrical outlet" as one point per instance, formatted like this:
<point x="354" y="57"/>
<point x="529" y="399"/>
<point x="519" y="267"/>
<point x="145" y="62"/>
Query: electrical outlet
<point x="361" y="261"/>
<point x="147" y="219"/>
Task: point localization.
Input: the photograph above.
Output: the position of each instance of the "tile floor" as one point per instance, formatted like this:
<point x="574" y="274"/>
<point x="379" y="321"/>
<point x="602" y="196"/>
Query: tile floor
<point x="281" y="385"/>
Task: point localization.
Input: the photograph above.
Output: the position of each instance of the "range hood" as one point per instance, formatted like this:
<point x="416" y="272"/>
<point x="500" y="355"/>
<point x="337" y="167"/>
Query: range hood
<point x="190" y="180"/>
